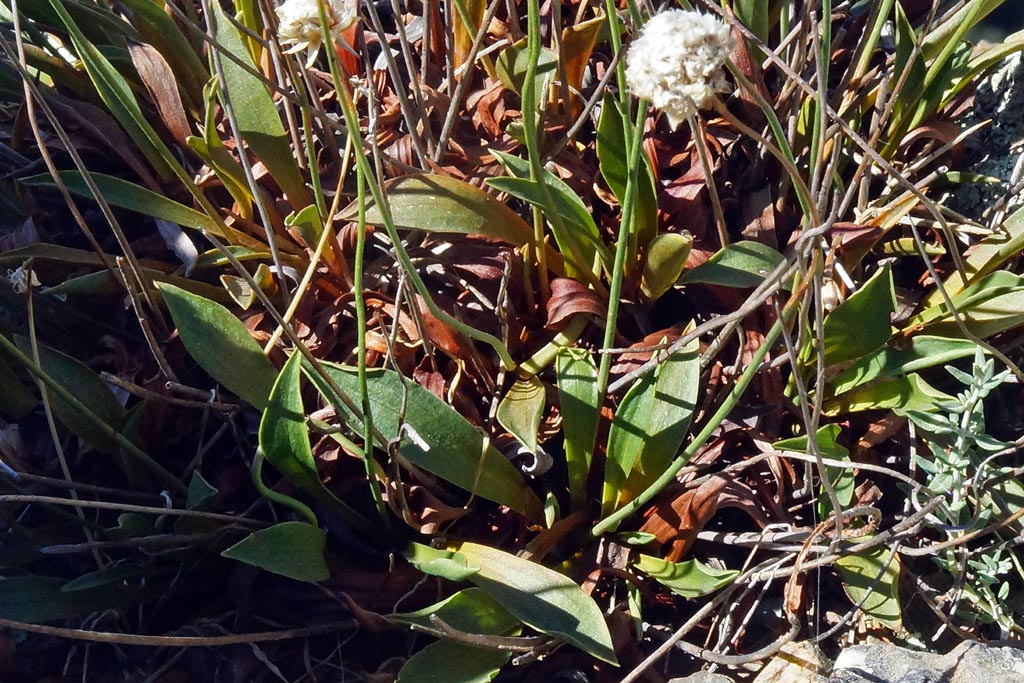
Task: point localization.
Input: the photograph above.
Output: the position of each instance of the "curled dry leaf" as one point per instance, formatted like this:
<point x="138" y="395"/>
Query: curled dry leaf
<point x="570" y="297"/>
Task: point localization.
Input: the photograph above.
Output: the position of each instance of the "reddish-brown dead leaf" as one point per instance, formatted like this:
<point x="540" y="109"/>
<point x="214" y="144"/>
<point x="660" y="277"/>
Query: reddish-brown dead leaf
<point x="157" y="76"/>
<point x="678" y="521"/>
<point x="570" y="297"/>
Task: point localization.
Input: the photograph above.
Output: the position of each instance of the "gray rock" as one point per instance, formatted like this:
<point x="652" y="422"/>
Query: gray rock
<point x="703" y="677"/>
<point x="968" y="663"/>
<point x="994" y="151"/>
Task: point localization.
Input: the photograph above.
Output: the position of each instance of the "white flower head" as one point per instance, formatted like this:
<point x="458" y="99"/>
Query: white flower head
<point x="676" y="62"/>
<point x="21" y="281"/>
<point x="299" y="24"/>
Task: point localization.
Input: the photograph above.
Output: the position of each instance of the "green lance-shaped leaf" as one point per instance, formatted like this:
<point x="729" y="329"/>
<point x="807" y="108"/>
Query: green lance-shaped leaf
<point x="541" y="598"/>
<point x="470" y="611"/>
<point x="127" y="195"/>
<point x="690" y="579"/>
<point x="892" y="361"/>
<point x="572" y="224"/>
<point x="741" y="264"/>
<point x="221" y="345"/>
<point x="990" y="305"/>
<point x="284" y="440"/>
<point x="860" y="324"/>
<point x="89" y="389"/>
<point x="292" y="549"/>
<point x="444" y="443"/>
<point x="579" y="405"/>
<point x="899" y="394"/>
<point x="447" y="205"/>
<point x="256" y="114"/>
<point x="650" y="425"/>
<point x="613" y="155"/>
<point x="38" y="599"/>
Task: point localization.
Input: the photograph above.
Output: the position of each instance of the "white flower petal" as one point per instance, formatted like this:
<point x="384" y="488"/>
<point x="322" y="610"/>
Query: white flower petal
<point x="676" y="62"/>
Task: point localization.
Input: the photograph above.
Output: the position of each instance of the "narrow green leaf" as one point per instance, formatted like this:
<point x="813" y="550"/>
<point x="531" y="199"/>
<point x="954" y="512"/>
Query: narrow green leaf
<point x="863" y="575"/>
<point x="257" y="117"/>
<point x="283" y="435"/>
<point x="114" y="575"/>
<point x="576" y="378"/>
<point x="446" y="564"/>
<point x="626" y="439"/>
<point x="449" y="661"/>
<point x="924" y="351"/>
<point x="902" y="393"/>
<point x="741" y="264"/>
<point x="908" y="59"/>
<point x="443" y="204"/>
<point x="754" y="15"/>
<point x="690" y="579"/>
<point x="521" y="409"/>
<point x="116" y="94"/>
<point x="284" y="440"/>
<point x="574" y="230"/>
<point x="990" y="305"/>
<point x="613" y="155"/>
<point x="102" y="283"/>
<point x="472" y="610"/>
<point x="87" y="387"/>
<point x="126" y="195"/>
<point x="37" y="599"/>
<point x="860" y="324"/>
<point x="291" y="549"/>
<point x="454" y="448"/>
<point x="221" y="345"/>
<point x="650" y="424"/>
<point x="541" y="598"/>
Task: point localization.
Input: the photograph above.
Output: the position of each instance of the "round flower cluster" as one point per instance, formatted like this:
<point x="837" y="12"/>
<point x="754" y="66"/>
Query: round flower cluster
<point x="299" y="24"/>
<point x="676" y="62"/>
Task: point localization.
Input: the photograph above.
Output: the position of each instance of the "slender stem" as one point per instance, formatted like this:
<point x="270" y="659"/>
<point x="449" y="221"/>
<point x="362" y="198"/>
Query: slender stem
<point x="360" y="303"/>
<point x="363" y="165"/>
<point x="709" y="178"/>
<point x="276" y="496"/>
<point x="621" y="247"/>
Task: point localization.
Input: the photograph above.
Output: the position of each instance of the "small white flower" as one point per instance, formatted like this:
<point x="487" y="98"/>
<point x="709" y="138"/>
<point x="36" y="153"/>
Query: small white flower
<point x="20" y="280"/>
<point x="299" y="24"/>
<point x="676" y="62"/>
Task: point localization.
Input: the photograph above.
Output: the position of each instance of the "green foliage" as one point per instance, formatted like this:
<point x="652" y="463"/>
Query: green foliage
<point x="541" y="598"/>
<point x="221" y="345"/>
<point x="291" y="549"/>
<point x="650" y="424"/>
<point x="959" y="471"/>
<point x="435" y="438"/>
<point x="578" y="401"/>
<point x="690" y="579"/>
<point x="871" y="579"/>
<point x="742" y="264"/>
